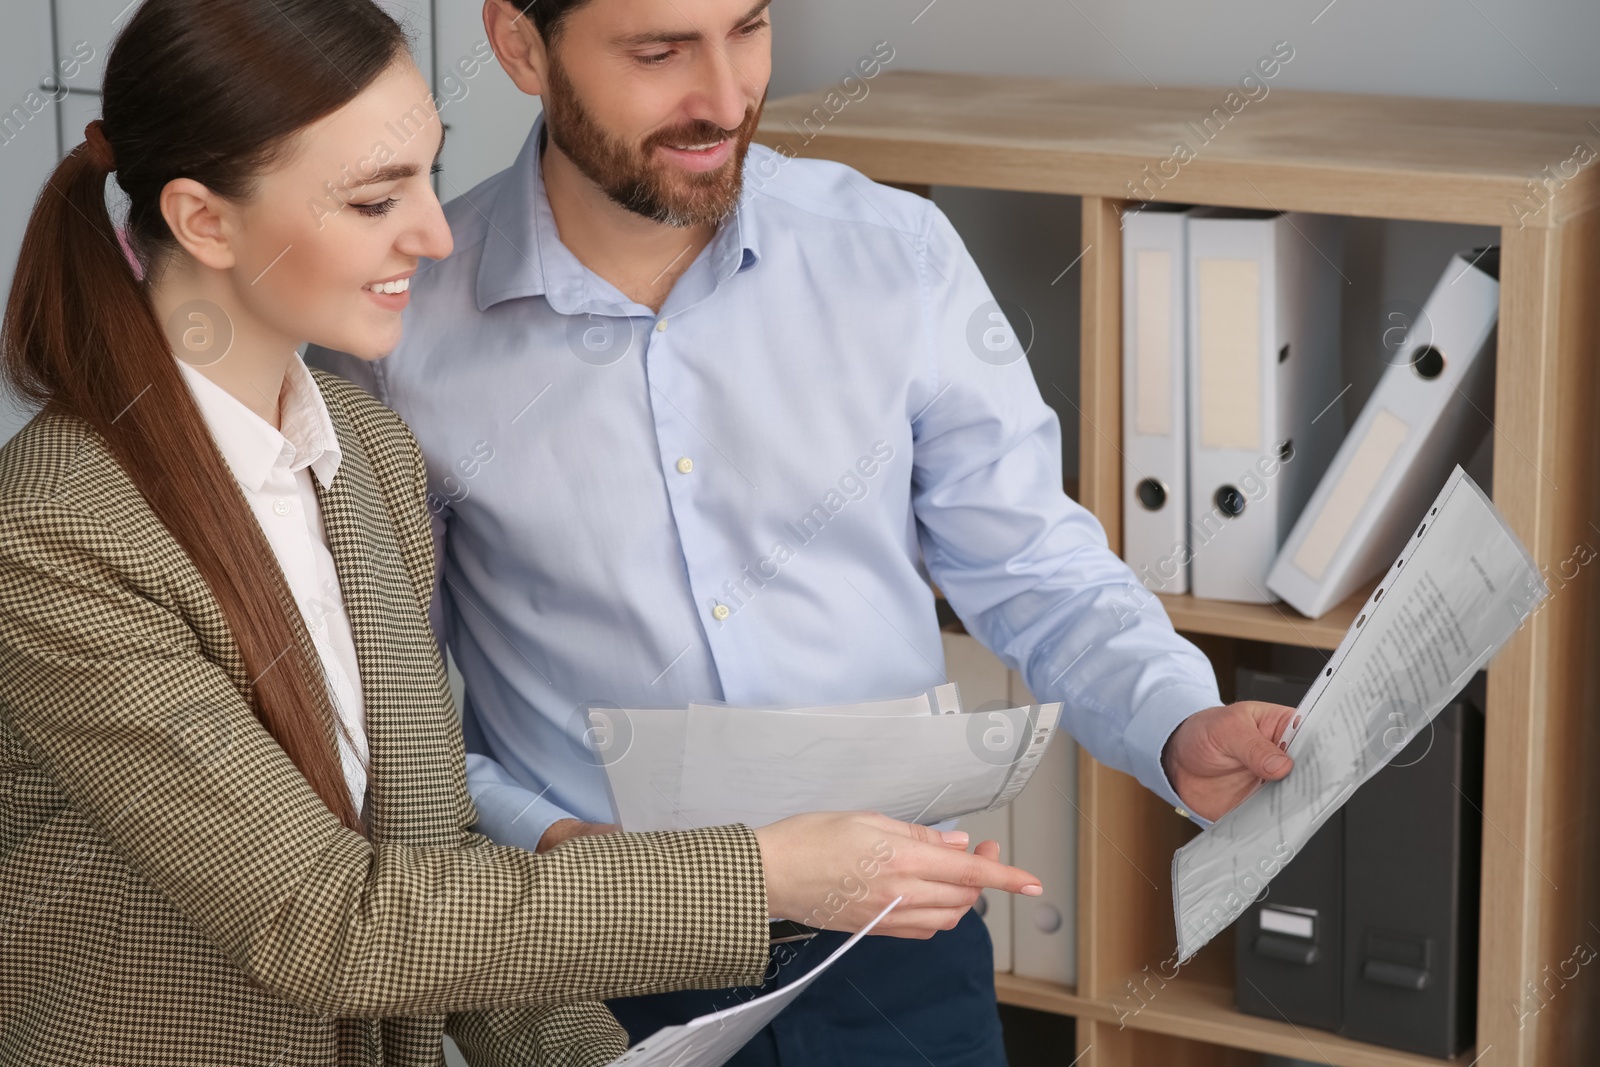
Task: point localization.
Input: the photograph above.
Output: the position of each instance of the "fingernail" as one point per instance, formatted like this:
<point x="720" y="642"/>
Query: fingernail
<point x="954" y="837"/>
<point x="1032" y="890"/>
<point x="1276" y="763"/>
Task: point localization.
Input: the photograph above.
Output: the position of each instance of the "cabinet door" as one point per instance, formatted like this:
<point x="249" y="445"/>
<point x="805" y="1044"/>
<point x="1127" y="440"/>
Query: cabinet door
<point x="488" y="117"/>
<point x="28" y="143"/>
<point x="84" y="29"/>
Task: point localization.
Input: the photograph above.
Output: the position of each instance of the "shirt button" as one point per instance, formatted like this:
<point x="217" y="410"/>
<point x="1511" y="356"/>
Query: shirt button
<point x="661" y="327"/>
<point x="282" y="507"/>
<point x="721" y="613"/>
<point x="685" y="465"/>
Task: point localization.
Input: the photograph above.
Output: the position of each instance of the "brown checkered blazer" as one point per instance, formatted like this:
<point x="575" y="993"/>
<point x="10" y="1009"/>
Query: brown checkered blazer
<point x="171" y="890"/>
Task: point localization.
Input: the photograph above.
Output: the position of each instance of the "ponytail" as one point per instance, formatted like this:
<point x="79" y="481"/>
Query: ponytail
<point x="209" y="89"/>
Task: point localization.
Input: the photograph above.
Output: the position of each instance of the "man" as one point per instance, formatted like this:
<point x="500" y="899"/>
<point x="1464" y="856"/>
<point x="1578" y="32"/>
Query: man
<point x="701" y="422"/>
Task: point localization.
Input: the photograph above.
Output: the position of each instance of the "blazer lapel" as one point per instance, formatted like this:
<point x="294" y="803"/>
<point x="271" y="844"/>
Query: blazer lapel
<point x="406" y="714"/>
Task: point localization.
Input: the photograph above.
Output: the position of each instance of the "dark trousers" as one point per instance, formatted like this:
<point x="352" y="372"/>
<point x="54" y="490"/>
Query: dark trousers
<point x="888" y="1001"/>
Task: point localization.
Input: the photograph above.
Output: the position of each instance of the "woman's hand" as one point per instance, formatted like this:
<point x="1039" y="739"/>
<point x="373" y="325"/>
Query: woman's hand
<point x="838" y="870"/>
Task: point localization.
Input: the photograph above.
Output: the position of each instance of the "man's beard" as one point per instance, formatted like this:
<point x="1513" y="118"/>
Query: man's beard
<point x="633" y="177"/>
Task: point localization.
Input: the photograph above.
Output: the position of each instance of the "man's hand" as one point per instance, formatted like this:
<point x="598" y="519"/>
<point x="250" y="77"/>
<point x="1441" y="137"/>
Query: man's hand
<point x="1217" y="757"/>
<point x="566" y="829"/>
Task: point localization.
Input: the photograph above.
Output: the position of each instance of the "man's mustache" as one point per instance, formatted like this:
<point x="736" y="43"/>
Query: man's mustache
<point x="701" y="132"/>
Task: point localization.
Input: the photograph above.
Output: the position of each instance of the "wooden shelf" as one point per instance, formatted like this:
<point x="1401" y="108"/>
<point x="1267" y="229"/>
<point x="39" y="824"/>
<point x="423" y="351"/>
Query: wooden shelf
<point x="1380" y="157"/>
<point x="1044" y="996"/>
<point x="1205" y="1012"/>
<point x="1277" y="623"/>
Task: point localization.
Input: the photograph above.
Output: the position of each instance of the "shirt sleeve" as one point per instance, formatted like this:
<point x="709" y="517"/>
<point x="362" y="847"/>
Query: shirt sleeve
<point x="1026" y="568"/>
<point x="106" y="685"/>
<point x="508" y="812"/>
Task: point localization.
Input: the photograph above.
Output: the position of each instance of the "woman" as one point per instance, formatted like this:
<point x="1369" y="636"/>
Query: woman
<point x="235" y="827"/>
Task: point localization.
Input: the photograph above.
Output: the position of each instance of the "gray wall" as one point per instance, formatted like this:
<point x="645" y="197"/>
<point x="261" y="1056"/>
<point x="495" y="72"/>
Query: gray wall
<point x="1492" y="49"/>
<point x="1473" y="49"/>
<point x="1536" y="50"/>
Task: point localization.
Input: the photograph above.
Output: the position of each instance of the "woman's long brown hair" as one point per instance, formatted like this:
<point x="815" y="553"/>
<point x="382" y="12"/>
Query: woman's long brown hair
<point x="211" y="90"/>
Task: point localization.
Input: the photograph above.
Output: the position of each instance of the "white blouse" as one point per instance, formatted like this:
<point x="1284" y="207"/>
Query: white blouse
<point x="275" y="469"/>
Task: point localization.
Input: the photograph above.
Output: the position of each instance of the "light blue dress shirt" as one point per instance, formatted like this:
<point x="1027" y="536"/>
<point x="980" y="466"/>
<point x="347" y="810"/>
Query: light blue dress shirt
<point x="743" y="498"/>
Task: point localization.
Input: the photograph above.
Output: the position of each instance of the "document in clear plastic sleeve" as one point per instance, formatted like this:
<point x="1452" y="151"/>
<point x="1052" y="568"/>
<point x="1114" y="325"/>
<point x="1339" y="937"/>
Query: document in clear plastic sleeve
<point x="680" y="769"/>
<point x="1460" y="588"/>
<point x="714" y="1039"/>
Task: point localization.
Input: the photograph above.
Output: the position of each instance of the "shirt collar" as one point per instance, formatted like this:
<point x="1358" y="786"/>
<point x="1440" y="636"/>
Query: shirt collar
<point x="523" y="254"/>
<point x="252" y="446"/>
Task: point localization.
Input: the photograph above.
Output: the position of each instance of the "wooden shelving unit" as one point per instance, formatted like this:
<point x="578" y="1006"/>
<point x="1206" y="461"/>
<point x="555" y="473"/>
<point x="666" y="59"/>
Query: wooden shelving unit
<point x="1379" y="157"/>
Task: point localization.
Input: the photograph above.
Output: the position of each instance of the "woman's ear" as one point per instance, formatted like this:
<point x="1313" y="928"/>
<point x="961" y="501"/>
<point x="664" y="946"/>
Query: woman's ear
<point x="517" y="44"/>
<point x="198" y="218"/>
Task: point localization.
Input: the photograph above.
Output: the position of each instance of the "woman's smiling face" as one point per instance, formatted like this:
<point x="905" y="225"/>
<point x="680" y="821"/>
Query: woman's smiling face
<point x="327" y="242"/>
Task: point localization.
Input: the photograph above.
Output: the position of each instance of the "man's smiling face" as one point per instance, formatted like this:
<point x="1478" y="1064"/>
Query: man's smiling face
<point x="656" y="101"/>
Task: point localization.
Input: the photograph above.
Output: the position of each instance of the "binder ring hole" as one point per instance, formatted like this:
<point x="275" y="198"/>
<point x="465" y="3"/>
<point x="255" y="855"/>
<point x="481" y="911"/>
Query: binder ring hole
<point x="1361" y="620"/>
<point x="1283" y="354"/>
<point x="1296" y="724"/>
<point x="1424" y="527"/>
<point x="1378" y="595"/>
<point x="1330" y="672"/>
<point x="1230" y="502"/>
<point x="1286" y="451"/>
<point x="1428" y="362"/>
<point x="1152" y="494"/>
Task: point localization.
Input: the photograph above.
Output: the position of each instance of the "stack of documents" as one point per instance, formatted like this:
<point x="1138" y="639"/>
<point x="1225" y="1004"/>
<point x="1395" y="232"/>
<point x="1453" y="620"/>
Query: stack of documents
<point x="918" y="759"/>
<point x="1460" y="588"/>
<point x="714" y="1039"/>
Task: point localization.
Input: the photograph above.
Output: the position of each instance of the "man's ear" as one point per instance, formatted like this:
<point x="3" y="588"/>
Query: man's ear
<point x="517" y="44"/>
<point x="198" y="218"/>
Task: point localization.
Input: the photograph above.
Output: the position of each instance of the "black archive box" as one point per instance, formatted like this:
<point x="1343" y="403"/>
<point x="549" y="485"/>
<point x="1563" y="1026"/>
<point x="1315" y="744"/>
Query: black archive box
<point x="1290" y="943"/>
<point x="1384" y="896"/>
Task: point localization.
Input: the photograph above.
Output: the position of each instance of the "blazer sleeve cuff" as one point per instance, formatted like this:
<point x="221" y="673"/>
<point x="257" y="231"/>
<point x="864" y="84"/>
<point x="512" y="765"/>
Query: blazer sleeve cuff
<point x="585" y="1034"/>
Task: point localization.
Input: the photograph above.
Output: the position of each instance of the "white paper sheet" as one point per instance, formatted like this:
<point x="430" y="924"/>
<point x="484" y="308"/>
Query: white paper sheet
<point x="940" y="700"/>
<point x="1458" y="591"/>
<point x="714" y="1039"/>
<point x="709" y="765"/>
